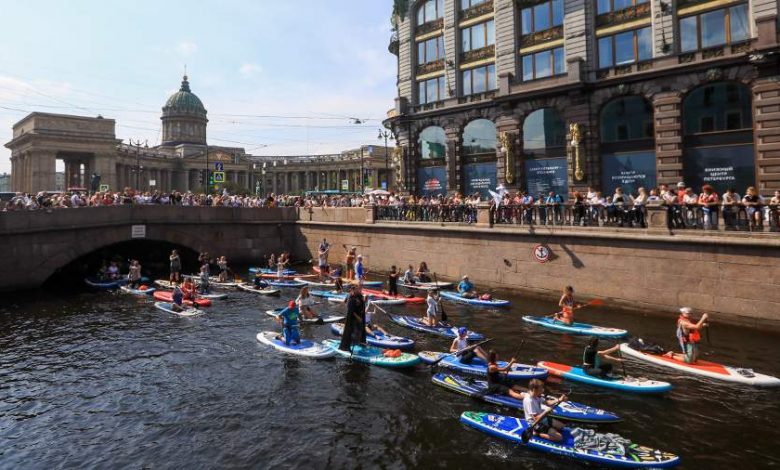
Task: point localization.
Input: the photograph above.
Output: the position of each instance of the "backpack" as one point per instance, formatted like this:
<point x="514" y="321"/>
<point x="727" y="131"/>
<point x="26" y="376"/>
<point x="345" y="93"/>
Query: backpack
<point x="645" y="346"/>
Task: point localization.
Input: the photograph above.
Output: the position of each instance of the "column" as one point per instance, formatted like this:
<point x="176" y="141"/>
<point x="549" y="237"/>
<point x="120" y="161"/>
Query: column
<point x="44" y="171"/>
<point x="766" y="133"/>
<point x="452" y="159"/>
<point x="668" y="137"/>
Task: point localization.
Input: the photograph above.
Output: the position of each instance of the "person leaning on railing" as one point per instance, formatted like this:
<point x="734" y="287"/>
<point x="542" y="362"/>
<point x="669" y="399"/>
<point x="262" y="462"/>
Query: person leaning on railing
<point x="729" y="204"/>
<point x="752" y="203"/>
<point x="708" y="200"/>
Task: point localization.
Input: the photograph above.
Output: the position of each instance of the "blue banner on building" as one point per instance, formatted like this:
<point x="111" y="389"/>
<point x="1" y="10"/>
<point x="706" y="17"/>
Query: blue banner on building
<point x="479" y="178"/>
<point x="720" y="167"/>
<point x="630" y="171"/>
<point x="432" y="181"/>
<point x="543" y="176"/>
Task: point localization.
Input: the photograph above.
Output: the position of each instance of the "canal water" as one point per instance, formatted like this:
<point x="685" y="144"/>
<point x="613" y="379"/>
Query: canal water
<point x="103" y="380"/>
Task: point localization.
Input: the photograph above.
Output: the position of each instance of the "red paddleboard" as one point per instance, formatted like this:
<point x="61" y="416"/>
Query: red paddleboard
<point x="167" y="296"/>
<point x="384" y="295"/>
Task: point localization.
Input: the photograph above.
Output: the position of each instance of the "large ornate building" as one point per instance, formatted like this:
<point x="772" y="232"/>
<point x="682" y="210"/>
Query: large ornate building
<point x="184" y="161"/>
<point x="563" y="94"/>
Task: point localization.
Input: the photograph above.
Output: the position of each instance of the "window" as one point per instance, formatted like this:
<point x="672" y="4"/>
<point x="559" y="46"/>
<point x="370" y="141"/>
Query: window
<point x="430" y="50"/>
<point x="625" y="48"/>
<point x="433" y="142"/>
<point x="544" y="64"/>
<point x="429" y="11"/>
<point x="431" y="90"/>
<point x="607" y="6"/>
<point x="717" y="107"/>
<point x="466" y="4"/>
<point x="714" y="28"/>
<point x="541" y="17"/>
<point x="479" y="80"/>
<point x="478" y="36"/>
<point x="544" y="130"/>
<point x="628" y="118"/>
<point x="479" y="138"/>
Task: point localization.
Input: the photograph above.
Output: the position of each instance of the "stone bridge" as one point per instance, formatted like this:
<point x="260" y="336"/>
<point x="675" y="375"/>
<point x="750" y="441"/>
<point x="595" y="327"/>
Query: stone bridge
<point x="37" y="243"/>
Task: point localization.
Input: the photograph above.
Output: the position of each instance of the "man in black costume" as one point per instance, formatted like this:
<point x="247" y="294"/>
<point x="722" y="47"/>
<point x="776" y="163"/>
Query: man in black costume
<point x="355" y="325"/>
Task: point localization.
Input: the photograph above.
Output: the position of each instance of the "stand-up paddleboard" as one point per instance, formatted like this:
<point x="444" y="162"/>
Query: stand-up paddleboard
<point x="372" y="355"/>
<point x="624" y="384"/>
<point x="445" y="330"/>
<point x="379" y="340"/>
<point x="167" y="296"/>
<point x="305" y="348"/>
<point x="214" y="282"/>
<point x="324" y="285"/>
<point x="378" y="294"/>
<point x="704" y="368"/>
<point x="567" y="410"/>
<point x="164" y="283"/>
<point x="286" y="284"/>
<point x="286" y="272"/>
<point x="130" y="290"/>
<point x="110" y="284"/>
<point x="479" y="367"/>
<point x="321" y="319"/>
<point x="187" y="312"/>
<point x="511" y="429"/>
<point x="259" y="290"/>
<point x="576" y="328"/>
<point x="426" y="285"/>
<point x="455" y="297"/>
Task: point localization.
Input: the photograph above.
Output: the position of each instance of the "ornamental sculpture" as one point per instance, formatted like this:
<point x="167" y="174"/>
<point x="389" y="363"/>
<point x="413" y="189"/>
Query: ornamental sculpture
<point x="507" y="140"/>
<point x="575" y="134"/>
<point x="398" y="161"/>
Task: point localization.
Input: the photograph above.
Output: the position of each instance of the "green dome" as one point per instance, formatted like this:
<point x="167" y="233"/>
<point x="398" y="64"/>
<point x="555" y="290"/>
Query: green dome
<point x="184" y="101"/>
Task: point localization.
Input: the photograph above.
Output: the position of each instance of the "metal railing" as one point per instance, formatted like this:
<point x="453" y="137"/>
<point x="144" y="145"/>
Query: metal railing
<point x="461" y="213"/>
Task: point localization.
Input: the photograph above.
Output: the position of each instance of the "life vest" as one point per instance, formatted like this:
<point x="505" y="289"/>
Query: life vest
<point x="693" y="336"/>
<point x="392" y="353"/>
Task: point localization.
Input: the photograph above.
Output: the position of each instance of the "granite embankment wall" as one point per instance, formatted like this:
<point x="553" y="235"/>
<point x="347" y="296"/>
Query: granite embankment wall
<point x="36" y="244"/>
<point x="736" y="277"/>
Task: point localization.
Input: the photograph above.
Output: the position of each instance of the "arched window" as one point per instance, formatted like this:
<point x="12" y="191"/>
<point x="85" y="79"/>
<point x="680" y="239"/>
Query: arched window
<point x="544" y="134"/>
<point x="718" y="137"/>
<point x="429" y="10"/>
<point x="433" y="143"/>
<point x="479" y="140"/>
<point x="627" y="145"/>
<point x="544" y="147"/>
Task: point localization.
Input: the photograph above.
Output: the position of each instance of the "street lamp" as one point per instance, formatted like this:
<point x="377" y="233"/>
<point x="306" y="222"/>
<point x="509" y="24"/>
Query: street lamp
<point x="138" y="167"/>
<point x="385" y="135"/>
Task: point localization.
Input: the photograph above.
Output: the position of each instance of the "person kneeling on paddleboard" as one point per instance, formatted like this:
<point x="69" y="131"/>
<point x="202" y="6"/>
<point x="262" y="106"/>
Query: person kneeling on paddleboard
<point x="372" y="328"/>
<point x="689" y="335"/>
<point x="178" y="299"/>
<point x="591" y="359"/>
<point x="461" y="342"/>
<point x="567" y="305"/>
<point x="288" y="318"/>
<point x="548" y="428"/>
<point x="466" y="289"/>
<point x="495" y="378"/>
<point x="409" y="276"/>
<point x="304" y="303"/>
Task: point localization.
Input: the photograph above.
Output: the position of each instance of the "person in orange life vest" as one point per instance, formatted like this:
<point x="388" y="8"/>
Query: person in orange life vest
<point x="568" y="305"/>
<point x="689" y="335"/>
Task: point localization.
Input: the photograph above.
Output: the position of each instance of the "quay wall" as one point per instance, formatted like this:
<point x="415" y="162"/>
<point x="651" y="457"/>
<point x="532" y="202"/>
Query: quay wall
<point x="736" y="279"/>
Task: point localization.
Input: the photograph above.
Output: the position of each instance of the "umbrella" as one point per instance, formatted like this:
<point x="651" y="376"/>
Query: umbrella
<point x="379" y="192"/>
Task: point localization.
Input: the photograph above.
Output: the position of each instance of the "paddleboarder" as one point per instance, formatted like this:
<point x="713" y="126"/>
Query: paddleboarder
<point x="461" y="342"/>
<point x="288" y="318"/>
<point x="591" y="359"/>
<point x="433" y="308"/>
<point x="178" y="299"/>
<point x="135" y="274"/>
<point x="392" y="282"/>
<point x="549" y="428"/>
<point x="496" y="377"/>
<point x="355" y="324"/>
<point x="304" y="303"/>
<point x="689" y="334"/>
<point x="372" y="327"/>
<point x="175" y="261"/>
<point x="466" y="289"/>
<point x="567" y="305"/>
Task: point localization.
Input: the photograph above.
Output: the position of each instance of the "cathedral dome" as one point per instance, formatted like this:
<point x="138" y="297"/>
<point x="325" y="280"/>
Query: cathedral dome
<point x="184" y="101"/>
<point x="184" y="118"/>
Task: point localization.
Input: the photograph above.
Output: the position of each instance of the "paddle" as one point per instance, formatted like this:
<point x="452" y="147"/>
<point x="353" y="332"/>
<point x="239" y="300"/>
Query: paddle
<point x="459" y="352"/>
<point x="528" y="431"/>
<point x="443" y="313"/>
<point x="594" y="303"/>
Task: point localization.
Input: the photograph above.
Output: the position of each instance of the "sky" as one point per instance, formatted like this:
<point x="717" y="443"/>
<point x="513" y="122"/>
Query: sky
<point x="279" y="77"/>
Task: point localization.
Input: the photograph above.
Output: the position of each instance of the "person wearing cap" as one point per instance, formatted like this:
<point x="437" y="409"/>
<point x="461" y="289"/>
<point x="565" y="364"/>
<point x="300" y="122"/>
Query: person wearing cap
<point x="466" y="289"/>
<point x="681" y="189"/>
<point x="689" y="334"/>
<point x="433" y="308"/>
<point x="288" y="318"/>
<point x="461" y="342"/>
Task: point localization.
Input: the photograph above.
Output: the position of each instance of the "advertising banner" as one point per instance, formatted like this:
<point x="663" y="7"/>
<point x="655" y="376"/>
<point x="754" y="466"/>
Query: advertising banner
<point x="479" y="178"/>
<point x="432" y="181"/>
<point x="543" y="176"/>
<point x="720" y="167"/>
<point x="630" y="171"/>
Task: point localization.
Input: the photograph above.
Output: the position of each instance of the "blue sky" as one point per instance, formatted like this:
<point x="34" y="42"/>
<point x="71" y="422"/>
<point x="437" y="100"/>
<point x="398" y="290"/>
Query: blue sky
<point x="319" y="62"/>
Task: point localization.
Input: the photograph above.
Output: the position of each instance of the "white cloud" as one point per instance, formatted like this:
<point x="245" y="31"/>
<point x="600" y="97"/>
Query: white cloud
<point x="249" y="70"/>
<point x="186" y="48"/>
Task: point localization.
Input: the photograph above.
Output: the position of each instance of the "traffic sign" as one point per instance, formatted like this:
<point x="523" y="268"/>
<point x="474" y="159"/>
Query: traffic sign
<point x="219" y="166"/>
<point x="219" y="176"/>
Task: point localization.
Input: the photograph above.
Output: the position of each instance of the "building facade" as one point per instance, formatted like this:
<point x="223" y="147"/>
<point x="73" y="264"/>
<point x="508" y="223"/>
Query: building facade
<point x="93" y="157"/>
<point x="559" y="95"/>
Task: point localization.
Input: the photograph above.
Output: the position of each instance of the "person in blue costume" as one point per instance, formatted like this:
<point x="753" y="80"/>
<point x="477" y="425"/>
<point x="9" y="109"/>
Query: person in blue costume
<point x="466" y="289"/>
<point x="178" y="299"/>
<point x="288" y="318"/>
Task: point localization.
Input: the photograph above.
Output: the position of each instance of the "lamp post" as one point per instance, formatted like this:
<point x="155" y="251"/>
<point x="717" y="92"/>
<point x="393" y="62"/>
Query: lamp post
<point x="138" y="167"/>
<point x="385" y="135"/>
